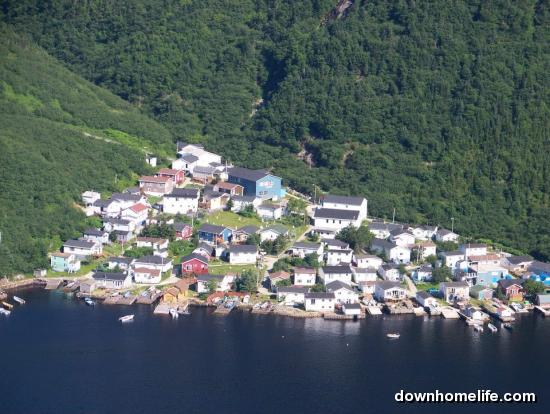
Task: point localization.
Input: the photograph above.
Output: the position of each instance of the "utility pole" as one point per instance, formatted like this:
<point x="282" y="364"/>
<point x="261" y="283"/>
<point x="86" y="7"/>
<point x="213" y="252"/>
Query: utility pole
<point x="452" y="224"/>
<point x="393" y="217"/>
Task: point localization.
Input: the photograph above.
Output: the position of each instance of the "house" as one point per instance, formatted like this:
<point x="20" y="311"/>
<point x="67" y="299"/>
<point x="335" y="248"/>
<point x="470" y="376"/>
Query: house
<point x="277" y="277"/>
<point x="154" y="262"/>
<point x="194" y="263"/>
<point x="224" y="282"/>
<point x="389" y="271"/>
<point x="90" y="197"/>
<point x="181" y="201"/>
<point x="401" y="237"/>
<point x="137" y="214"/>
<point x="272" y="232"/>
<point x="204" y="174"/>
<point x="473" y="249"/>
<point x="177" y="175"/>
<point x="365" y="274"/>
<point x="257" y="183"/>
<point x="242" y="234"/>
<point x="214" y="200"/>
<point x="114" y="224"/>
<point x="338" y="256"/>
<point x="367" y="288"/>
<point x="423" y="274"/>
<point x="345" y="203"/>
<point x="145" y="275"/>
<point x="319" y="301"/>
<point x="304" y="276"/>
<point x="87" y="286"/>
<point x="364" y="260"/>
<point x="291" y="295"/>
<point x="186" y="163"/>
<point x="383" y="230"/>
<point x="64" y="262"/>
<point x="489" y="275"/>
<point x="243" y="254"/>
<point x="423" y="232"/>
<point x="454" y="291"/>
<point x="203" y="157"/>
<point x="270" y="211"/>
<point x="543" y="300"/>
<point x="424" y="299"/>
<point x="343" y="293"/>
<point x="393" y="252"/>
<point x="302" y="249"/>
<point x="156" y="186"/>
<point x="154" y="242"/>
<point x="122" y="263"/>
<point x="385" y="291"/>
<point x="475" y="314"/>
<point x="424" y="249"/>
<point x="331" y="273"/>
<point x="82" y="248"/>
<point x="481" y="292"/>
<point x="205" y="249"/>
<point x="214" y="234"/>
<point x="444" y="235"/>
<point x="96" y="235"/>
<point x="109" y="280"/>
<point x="229" y="188"/>
<point x="517" y="263"/>
<point x="183" y="231"/>
<point x="334" y="244"/>
<point x="122" y="236"/>
<point x="351" y="309"/>
<point x="334" y="219"/>
<point x="241" y="202"/>
<point x="450" y="259"/>
<point x="512" y="289"/>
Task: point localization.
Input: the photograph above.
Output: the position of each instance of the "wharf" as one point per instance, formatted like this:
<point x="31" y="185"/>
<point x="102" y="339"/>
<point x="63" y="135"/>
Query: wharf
<point x="545" y="312"/>
<point x="53" y="284"/>
<point x="222" y="310"/>
<point x="148" y="299"/>
<point x="331" y="316"/>
<point x="162" y="309"/>
<point x="112" y="300"/>
<point x="294" y="312"/>
<point x="449" y="313"/>
<point x="374" y="310"/>
<point x="130" y="300"/>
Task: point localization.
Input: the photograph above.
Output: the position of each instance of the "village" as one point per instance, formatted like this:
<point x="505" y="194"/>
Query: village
<point x="206" y="233"/>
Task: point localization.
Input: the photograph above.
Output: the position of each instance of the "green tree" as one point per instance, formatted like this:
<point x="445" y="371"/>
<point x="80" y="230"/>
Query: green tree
<point x="532" y="287"/>
<point x="212" y="285"/>
<point x="442" y="274"/>
<point x="247" y="281"/>
<point x="357" y="238"/>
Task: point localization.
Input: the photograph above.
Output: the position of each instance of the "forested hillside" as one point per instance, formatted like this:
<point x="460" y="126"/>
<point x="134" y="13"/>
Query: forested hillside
<point x="59" y="135"/>
<point x="438" y="110"/>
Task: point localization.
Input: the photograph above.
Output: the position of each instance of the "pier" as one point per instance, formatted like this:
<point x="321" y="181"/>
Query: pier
<point x="545" y="312"/>
<point x="53" y="284"/>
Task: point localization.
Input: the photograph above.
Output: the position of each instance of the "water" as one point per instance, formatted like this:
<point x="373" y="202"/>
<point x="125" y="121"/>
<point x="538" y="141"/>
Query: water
<point x="58" y="355"/>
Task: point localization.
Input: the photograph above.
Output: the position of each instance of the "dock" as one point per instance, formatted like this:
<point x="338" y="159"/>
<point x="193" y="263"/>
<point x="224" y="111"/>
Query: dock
<point x="148" y="299"/>
<point x="434" y="310"/>
<point x="374" y="310"/>
<point x="545" y="312"/>
<point x="449" y="313"/>
<point x="331" y="316"/>
<point x="127" y="300"/>
<point x="162" y="309"/>
<point x="53" y="284"/>
<point x="223" y="310"/>
<point x="112" y="300"/>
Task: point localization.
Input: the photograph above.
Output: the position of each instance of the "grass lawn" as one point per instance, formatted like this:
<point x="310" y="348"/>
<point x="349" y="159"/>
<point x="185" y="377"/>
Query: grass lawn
<point x="114" y="249"/>
<point x="230" y="219"/>
<point x="224" y="268"/>
<point x="427" y="285"/>
<point x="84" y="269"/>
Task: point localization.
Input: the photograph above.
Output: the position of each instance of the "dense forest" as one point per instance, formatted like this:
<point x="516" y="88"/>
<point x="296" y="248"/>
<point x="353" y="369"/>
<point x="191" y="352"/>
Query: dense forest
<point x="58" y="137"/>
<point x="436" y="110"/>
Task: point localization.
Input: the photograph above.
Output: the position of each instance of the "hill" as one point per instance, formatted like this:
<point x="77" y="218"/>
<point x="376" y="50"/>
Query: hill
<point x="59" y="135"/>
<point x="433" y="110"/>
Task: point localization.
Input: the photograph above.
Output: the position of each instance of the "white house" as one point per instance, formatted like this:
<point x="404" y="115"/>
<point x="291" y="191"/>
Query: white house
<point x="145" y="275"/>
<point x="90" y="197"/>
<point x="401" y="237"/>
<point x="423" y="274"/>
<point x="291" y="295"/>
<point x="137" y="214"/>
<point x="425" y="299"/>
<point x="272" y="232"/>
<point x="454" y="291"/>
<point x="82" y="248"/>
<point x="223" y="285"/>
<point x="301" y="249"/>
<point x="304" y="276"/>
<point x="204" y="158"/>
<point x="116" y="224"/>
<point x="241" y="202"/>
<point x="364" y="274"/>
<point x="393" y="252"/>
<point x="181" y="201"/>
<point x="425" y="249"/>
<point x="112" y="280"/>
<point x="444" y="235"/>
<point x="334" y="219"/>
<point x="153" y="262"/>
<point x="450" y="259"/>
<point x="320" y="301"/>
<point x="424" y="232"/>
<point x="336" y="202"/>
<point x="270" y="211"/>
<point x="243" y="254"/>
<point x="343" y="293"/>
<point x="96" y="235"/>
<point x="186" y="163"/>
<point x="389" y="271"/>
<point x="334" y="244"/>
<point x="364" y="260"/>
<point x="335" y="257"/>
<point x="351" y="309"/>
<point x="367" y="288"/>
<point x="123" y="263"/>
<point x="389" y="291"/>
<point x="153" y="242"/>
<point x="473" y="249"/>
<point x="331" y="273"/>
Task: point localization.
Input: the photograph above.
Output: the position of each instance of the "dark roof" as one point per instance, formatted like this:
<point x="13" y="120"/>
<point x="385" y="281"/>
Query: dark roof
<point x="292" y="289"/>
<point x="337" y="284"/>
<point x="94" y="232"/>
<point x="334" y="213"/>
<point x="245" y="173"/>
<point x="85" y="244"/>
<point x="126" y="197"/>
<point x="249" y="229"/>
<point x="423" y="294"/>
<point x="243" y="198"/>
<point x="336" y="269"/>
<point x="387" y="284"/>
<point x="352" y="306"/>
<point x="354" y="201"/>
<point x="305" y="270"/>
<point x="319" y="295"/>
<point x="243" y="248"/>
<point x="335" y="243"/>
<point x="453" y="253"/>
<point x="102" y="203"/>
<point x="396" y="232"/>
<point x="152" y="259"/>
<point x="125" y="260"/>
<point x="377" y="225"/>
<point x="472" y="245"/>
<point x="276" y="228"/>
<point x="444" y="232"/>
<point x="180" y="226"/>
<point x="537" y="266"/>
<point x="205" y="246"/>
<point x="506" y="283"/>
<point x="519" y="259"/>
<point x="211" y="228"/>
<point x="194" y="256"/>
<point x="113" y="220"/>
<point x="109" y="276"/>
<point x="455" y="284"/>
<point x="184" y="193"/>
<point x="205" y="277"/>
<point x="383" y="243"/>
<point x="190" y="158"/>
<point x="203" y="170"/>
<point x="306" y="245"/>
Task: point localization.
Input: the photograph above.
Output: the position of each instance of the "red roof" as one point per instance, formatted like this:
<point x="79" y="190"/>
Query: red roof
<point x="169" y="171"/>
<point x="150" y="179"/>
<point x="138" y="207"/>
<point x="153" y="272"/>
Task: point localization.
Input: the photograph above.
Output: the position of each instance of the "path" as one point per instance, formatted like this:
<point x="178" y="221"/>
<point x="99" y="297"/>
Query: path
<point x="410" y="285"/>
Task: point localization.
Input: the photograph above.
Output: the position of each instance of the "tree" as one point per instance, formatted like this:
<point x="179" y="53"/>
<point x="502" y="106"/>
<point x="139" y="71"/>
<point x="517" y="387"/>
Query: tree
<point x="212" y="285"/>
<point x="318" y="287"/>
<point x="247" y="281"/>
<point x="161" y="230"/>
<point x="253" y="239"/>
<point x="136" y="252"/>
<point x="532" y="287"/>
<point x="112" y="237"/>
<point x="441" y="274"/>
<point x="357" y="238"/>
<point x="229" y="205"/>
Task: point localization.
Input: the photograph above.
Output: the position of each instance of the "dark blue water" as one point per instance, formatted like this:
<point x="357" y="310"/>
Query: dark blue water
<point x="59" y="356"/>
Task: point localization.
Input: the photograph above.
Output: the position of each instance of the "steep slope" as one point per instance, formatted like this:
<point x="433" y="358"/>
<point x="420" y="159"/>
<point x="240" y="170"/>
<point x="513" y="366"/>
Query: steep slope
<point x="59" y="135"/>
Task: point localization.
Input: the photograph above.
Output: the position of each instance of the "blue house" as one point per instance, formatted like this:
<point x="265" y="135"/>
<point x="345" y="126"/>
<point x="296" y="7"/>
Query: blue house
<point x="211" y="233"/>
<point x="491" y="277"/>
<point x="257" y="183"/>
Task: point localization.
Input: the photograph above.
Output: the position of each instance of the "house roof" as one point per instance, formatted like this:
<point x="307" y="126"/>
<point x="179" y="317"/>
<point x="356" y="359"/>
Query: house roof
<point x="243" y="248"/>
<point x="506" y="283"/>
<point x="152" y="179"/>
<point x="190" y="158"/>
<point x="306" y="245"/>
<point x="543" y="299"/>
<point x="169" y="171"/>
<point x="194" y="256"/>
<point x="83" y="244"/>
<point x="280" y="275"/>
<point x="453" y="253"/>
<point x="136" y="208"/>
<point x="183" y="193"/>
<point x="205" y="277"/>
<point x="152" y="240"/>
<point x="473" y="245"/>
<point x="305" y="270"/>
<point x="352" y="306"/>
<point x="245" y="173"/>
<point x="206" y="247"/>
<point x="423" y="294"/>
<point x="383" y="243"/>
<point x="319" y="295"/>
<point x="479" y="288"/>
<point x="276" y="228"/>
<point x="212" y="228"/>
<point x="292" y="289"/>
<point x="94" y="232"/>
<point x="269" y="206"/>
<point x="454" y="284"/>
<point x="113" y="220"/>
<point x="537" y="266"/>
<point x="152" y="259"/>
<point x="203" y="170"/>
<point x="444" y="232"/>
<point x="515" y="260"/>
<point x="249" y="229"/>
<point x="227" y="185"/>
<point x="397" y="232"/>
<point x="333" y="213"/>
<point x="336" y="285"/>
<point x="387" y="284"/>
<point x="179" y="226"/>
<point x="335" y="243"/>
<point x="154" y="272"/>
<point x="243" y="198"/>
<point x="126" y="197"/>
<point x="354" y="201"/>
<point x="336" y="269"/>
<point x="125" y="260"/>
<point x="109" y="276"/>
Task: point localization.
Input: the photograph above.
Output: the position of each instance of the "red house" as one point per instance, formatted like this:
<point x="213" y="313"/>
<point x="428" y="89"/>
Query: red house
<point x="184" y="231"/>
<point x="177" y="175"/>
<point x="194" y="263"/>
<point x="511" y="289"/>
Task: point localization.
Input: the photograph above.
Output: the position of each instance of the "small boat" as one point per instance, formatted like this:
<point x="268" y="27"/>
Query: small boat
<point x="7" y="305"/>
<point x="4" y="312"/>
<point x="89" y="302"/>
<point x="393" y="335"/>
<point x="508" y="326"/>
<point x="492" y="327"/>
<point x="126" y="318"/>
<point x="174" y="313"/>
<point x="478" y="328"/>
<point x="19" y="300"/>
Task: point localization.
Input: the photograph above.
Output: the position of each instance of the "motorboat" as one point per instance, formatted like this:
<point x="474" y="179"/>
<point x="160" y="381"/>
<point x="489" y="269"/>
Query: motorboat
<point x="478" y="328"/>
<point x="89" y="302"/>
<point x="492" y="327"/>
<point x="126" y="318"/>
<point x="174" y="313"/>
<point x="508" y="326"/>
<point x="7" y="305"/>
<point x="393" y="335"/>
<point x="4" y="312"/>
<point x="19" y="300"/>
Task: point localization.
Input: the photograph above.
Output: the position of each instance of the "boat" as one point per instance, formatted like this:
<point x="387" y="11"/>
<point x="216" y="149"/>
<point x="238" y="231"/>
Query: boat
<point x="174" y="313"/>
<point x="126" y="318"/>
<point x="7" y="305"/>
<point x="19" y="300"/>
<point x="492" y="327"/>
<point x="4" y="312"/>
<point x="478" y="328"/>
<point x="508" y="326"/>
<point x="393" y="335"/>
<point x="89" y="302"/>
